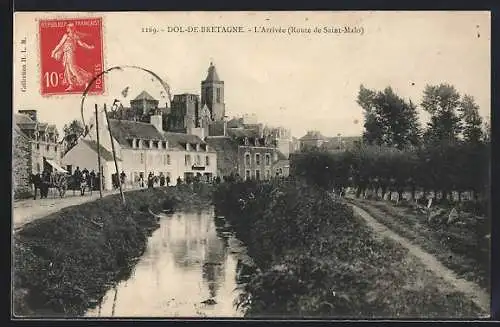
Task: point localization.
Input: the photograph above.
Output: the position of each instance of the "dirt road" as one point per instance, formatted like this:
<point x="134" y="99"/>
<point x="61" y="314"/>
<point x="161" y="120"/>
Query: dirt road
<point x="28" y="210"/>
<point x="469" y="289"/>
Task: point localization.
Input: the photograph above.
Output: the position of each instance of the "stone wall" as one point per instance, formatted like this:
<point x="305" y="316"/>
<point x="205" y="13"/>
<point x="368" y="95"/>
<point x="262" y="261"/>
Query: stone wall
<point x="21" y="164"/>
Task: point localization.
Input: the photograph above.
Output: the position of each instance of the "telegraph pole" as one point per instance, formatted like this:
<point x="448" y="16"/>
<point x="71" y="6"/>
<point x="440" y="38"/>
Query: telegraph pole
<point x="114" y="156"/>
<point x="98" y="151"/>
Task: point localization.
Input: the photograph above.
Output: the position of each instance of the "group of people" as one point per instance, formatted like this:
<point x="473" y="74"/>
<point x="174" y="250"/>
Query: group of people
<point x="84" y="179"/>
<point x="153" y="180"/>
<point x="41" y="182"/>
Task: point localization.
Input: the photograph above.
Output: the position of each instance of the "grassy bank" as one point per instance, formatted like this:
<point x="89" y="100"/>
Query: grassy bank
<point x="462" y="246"/>
<point x="64" y="263"/>
<point x="315" y="258"/>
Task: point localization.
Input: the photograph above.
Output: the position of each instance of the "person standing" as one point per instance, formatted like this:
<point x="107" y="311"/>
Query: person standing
<point x="92" y="180"/>
<point x="162" y="179"/>
<point x="168" y="180"/>
<point x="44" y="189"/>
<point x="150" y="180"/>
<point x="83" y="183"/>
<point x="122" y="178"/>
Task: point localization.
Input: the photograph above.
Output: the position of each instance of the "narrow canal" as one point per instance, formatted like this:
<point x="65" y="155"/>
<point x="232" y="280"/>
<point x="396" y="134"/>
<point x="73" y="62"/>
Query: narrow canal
<point x="190" y="269"/>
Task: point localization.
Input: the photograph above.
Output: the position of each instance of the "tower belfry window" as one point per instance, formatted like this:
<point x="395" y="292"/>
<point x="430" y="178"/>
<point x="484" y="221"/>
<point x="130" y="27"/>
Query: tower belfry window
<point x="218" y="96"/>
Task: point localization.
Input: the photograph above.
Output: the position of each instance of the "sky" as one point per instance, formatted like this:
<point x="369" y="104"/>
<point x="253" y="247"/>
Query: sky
<point x="303" y="82"/>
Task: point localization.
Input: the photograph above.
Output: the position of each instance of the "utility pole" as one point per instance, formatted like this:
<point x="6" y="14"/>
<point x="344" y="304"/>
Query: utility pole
<point x="114" y="156"/>
<point x="98" y="151"/>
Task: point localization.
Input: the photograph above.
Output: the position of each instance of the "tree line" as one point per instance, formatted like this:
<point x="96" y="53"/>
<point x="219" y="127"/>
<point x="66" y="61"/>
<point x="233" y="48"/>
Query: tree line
<point x="451" y="153"/>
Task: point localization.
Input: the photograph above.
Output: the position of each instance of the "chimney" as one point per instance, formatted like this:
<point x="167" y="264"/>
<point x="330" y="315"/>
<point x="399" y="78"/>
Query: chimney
<point x="30" y="113"/>
<point x="157" y="121"/>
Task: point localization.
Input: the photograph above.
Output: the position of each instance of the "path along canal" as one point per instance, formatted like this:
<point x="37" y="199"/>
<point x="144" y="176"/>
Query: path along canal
<point x="189" y="269"/>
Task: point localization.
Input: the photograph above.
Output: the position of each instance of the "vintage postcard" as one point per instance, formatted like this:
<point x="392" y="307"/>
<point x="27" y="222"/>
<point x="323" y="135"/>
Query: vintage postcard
<point x="290" y="165"/>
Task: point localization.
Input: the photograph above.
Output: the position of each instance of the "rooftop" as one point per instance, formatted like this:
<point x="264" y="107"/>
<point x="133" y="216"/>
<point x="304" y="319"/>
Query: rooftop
<point x="212" y="74"/>
<point x="144" y="96"/>
<point x="23" y="119"/>
<point x="312" y="135"/>
<point x="123" y="130"/>
<point x="105" y="154"/>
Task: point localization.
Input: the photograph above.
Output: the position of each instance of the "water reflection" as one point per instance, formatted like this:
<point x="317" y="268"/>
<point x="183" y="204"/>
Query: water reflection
<point x="186" y="271"/>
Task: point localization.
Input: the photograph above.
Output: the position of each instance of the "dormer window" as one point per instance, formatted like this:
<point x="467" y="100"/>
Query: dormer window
<point x="256" y="142"/>
<point x="164" y="144"/>
<point x="137" y="143"/>
<point x="155" y="144"/>
<point x="246" y="141"/>
<point x="131" y="143"/>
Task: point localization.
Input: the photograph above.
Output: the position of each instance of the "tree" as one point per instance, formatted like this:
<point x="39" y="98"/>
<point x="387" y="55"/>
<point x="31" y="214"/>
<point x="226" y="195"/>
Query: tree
<point x="486" y="131"/>
<point x="472" y="121"/>
<point x="72" y="133"/>
<point x="389" y="119"/>
<point x="442" y="102"/>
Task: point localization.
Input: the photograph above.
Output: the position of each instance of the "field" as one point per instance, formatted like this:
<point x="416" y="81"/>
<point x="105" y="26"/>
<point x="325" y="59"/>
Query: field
<point x="463" y="245"/>
<point x="315" y="258"/>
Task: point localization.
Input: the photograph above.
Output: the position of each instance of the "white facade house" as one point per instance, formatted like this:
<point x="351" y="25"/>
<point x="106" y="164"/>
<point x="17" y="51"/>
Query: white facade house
<point x="84" y="155"/>
<point x="144" y="148"/>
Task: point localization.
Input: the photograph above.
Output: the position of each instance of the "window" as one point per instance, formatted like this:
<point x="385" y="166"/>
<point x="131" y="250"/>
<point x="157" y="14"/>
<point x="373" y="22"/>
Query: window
<point x="137" y="143"/>
<point x="47" y="147"/>
<point x="142" y="158"/>
<point x="38" y="146"/>
<point x="37" y="167"/>
<point x="246" y="141"/>
<point x="155" y="144"/>
<point x="207" y="161"/>
<point x="55" y="148"/>
<point x="218" y="96"/>
<point x="168" y="159"/>
<point x="164" y="145"/>
<point x="247" y="174"/>
<point x="198" y="160"/>
<point x="257" y="174"/>
<point x="247" y="159"/>
<point x="257" y="159"/>
<point x="268" y="159"/>
<point x="187" y="160"/>
<point x="268" y="174"/>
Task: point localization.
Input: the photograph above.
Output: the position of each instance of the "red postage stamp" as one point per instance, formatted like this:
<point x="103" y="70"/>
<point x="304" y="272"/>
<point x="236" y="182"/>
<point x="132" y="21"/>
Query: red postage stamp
<point x="71" y="55"/>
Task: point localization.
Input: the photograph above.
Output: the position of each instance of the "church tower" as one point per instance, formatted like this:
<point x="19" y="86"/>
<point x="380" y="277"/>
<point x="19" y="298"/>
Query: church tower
<point x="212" y="94"/>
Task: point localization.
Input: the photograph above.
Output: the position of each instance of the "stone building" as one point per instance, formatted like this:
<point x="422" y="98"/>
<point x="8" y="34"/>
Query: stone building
<point x="35" y="147"/>
<point x="188" y="116"/>
<point x="212" y="94"/>
<point x="248" y="154"/>
<point x="316" y="140"/>
<point x="312" y="139"/>
<point x="21" y="163"/>
<point x="143" y="148"/>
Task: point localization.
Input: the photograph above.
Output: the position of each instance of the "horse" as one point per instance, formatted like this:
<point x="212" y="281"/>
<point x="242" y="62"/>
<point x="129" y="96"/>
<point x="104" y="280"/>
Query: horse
<point x="36" y="181"/>
<point x="59" y="181"/>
